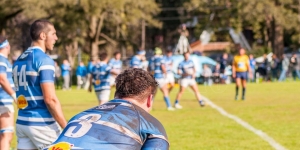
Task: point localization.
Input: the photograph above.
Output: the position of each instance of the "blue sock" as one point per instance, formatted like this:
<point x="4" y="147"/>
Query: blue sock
<point x="167" y="100"/>
<point x="176" y="101"/>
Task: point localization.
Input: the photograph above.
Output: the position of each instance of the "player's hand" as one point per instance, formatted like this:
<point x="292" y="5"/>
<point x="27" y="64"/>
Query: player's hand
<point x="250" y="75"/>
<point x="233" y="75"/>
<point x="90" y="89"/>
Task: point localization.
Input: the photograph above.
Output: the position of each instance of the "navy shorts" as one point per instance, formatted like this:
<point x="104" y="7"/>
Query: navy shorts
<point x="242" y="75"/>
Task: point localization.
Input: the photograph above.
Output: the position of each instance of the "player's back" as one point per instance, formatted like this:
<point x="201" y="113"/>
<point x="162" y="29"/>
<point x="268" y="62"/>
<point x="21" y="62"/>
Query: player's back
<point x="6" y="68"/>
<point x="31" y="69"/>
<point x="156" y="63"/>
<point x="135" y="62"/>
<point x="116" y="125"/>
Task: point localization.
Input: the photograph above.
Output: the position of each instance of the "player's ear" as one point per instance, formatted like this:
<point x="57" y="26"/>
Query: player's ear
<point x="149" y="101"/>
<point x="42" y="35"/>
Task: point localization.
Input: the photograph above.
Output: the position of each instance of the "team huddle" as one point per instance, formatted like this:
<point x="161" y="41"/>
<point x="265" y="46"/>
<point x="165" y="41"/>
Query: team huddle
<point x="121" y="123"/>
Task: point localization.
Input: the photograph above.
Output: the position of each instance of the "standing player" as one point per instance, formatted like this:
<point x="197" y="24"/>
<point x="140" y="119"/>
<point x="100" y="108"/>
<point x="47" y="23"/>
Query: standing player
<point x="7" y="96"/>
<point x="33" y="74"/>
<point x="159" y="68"/>
<point x="65" y="72"/>
<point x="187" y="71"/>
<point x="100" y="78"/>
<point x="89" y="69"/>
<point x="136" y="61"/>
<point x="116" y="64"/>
<point x="121" y="124"/>
<point x="240" y="69"/>
<point x="169" y="65"/>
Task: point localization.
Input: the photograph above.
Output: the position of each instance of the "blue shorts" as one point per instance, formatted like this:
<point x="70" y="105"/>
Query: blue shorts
<point x="242" y="75"/>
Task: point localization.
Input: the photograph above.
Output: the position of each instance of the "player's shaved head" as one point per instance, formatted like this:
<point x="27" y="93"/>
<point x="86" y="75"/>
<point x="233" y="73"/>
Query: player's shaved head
<point x="135" y="83"/>
<point x="39" y="26"/>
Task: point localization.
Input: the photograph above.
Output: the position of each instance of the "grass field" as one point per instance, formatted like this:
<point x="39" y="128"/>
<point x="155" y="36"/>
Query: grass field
<point x="270" y="107"/>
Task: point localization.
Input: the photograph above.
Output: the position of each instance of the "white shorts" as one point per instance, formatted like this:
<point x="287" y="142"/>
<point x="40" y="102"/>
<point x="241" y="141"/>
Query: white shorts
<point x="161" y="82"/>
<point x="36" y="137"/>
<point x="5" y="109"/>
<point x="103" y="95"/>
<point x="170" y="78"/>
<point x="187" y="82"/>
<point x="112" y="80"/>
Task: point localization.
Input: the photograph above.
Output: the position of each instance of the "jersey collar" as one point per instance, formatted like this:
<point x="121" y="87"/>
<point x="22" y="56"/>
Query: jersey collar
<point x="36" y="47"/>
<point x="3" y="55"/>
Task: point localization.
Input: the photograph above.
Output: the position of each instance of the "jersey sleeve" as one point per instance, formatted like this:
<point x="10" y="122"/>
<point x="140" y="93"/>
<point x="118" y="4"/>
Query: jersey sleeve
<point x="3" y="67"/>
<point x="46" y="70"/>
<point x="155" y="143"/>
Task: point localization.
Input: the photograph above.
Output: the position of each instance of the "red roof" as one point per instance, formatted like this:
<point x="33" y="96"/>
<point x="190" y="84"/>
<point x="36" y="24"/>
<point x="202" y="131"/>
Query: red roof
<point x="212" y="46"/>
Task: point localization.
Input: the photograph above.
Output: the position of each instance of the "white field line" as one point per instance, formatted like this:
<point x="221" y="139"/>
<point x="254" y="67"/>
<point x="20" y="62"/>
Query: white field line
<point x="246" y="125"/>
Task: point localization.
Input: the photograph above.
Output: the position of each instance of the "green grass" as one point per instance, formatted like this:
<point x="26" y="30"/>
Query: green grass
<point x="270" y="107"/>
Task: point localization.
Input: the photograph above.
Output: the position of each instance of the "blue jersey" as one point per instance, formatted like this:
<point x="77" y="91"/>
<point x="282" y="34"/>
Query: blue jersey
<point x="31" y="69"/>
<point x="155" y="65"/>
<point x="65" y="70"/>
<point x="135" y="62"/>
<point x="116" y="125"/>
<point x="186" y="67"/>
<point x="169" y="63"/>
<point x="90" y="67"/>
<point x="116" y="65"/>
<point x="101" y="74"/>
<point x="252" y="63"/>
<point x="6" y="68"/>
<point x="81" y="71"/>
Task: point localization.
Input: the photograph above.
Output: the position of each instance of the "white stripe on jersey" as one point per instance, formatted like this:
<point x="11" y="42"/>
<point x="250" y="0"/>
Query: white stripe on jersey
<point x="46" y="67"/>
<point x="120" y="129"/>
<point x="33" y="98"/>
<point x="35" y="119"/>
<point x="3" y="64"/>
<point x="11" y="85"/>
<point x="32" y="73"/>
<point x="6" y="100"/>
<point x="9" y="70"/>
<point x="158" y="136"/>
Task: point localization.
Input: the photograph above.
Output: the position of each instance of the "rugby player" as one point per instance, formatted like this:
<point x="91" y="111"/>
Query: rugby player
<point x="136" y="61"/>
<point x="116" y="64"/>
<point x="169" y="65"/>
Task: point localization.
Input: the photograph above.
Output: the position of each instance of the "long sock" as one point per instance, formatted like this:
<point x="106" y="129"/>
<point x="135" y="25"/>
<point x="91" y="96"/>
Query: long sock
<point x="176" y="101"/>
<point x="244" y="92"/>
<point x="236" y="91"/>
<point x="167" y="100"/>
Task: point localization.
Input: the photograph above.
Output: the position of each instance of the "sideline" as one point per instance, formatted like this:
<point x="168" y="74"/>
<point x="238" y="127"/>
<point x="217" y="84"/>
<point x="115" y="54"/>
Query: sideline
<point x="246" y="125"/>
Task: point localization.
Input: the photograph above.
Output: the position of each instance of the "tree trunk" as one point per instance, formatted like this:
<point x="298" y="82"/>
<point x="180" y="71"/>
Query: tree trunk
<point x="72" y="52"/>
<point x="278" y="44"/>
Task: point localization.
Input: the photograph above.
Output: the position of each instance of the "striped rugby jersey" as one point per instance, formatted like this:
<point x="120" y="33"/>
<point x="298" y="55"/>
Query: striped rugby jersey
<point x="116" y="125"/>
<point x="169" y="62"/>
<point x="155" y="64"/>
<point x="6" y="68"/>
<point x="30" y="70"/>
<point x="116" y="65"/>
<point x="135" y="62"/>
<point x="186" y="66"/>
<point x="101" y="76"/>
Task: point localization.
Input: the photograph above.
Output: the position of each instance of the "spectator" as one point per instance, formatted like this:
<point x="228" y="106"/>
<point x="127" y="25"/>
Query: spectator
<point x="274" y="67"/>
<point x="89" y="76"/>
<point x="116" y="64"/>
<point x="81" y="73"/>
<point x="294" y="66"/>
<point x="223" y="62"/>
<point x="252" y="66"/>
<point x="216" y="73"/>
<point x="207" y="73"/>
<point x="65" y="71"/>
<point x="284" y="67"/>
<point x="57" y="75"/>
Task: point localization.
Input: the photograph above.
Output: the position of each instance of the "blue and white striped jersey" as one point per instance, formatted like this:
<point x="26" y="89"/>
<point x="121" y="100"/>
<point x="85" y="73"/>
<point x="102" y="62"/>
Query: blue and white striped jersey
<point x="135" y="62"/>
<point x="155" y="65"/>
<point x="168" y="62"/>
<point x="116" y="65"/>
<point x="101" y="74"/>
<point x="6" y="68"/>
<point x="186" y="67"/>
<point x="30" y="70"/>
<point x="116" y="125"/>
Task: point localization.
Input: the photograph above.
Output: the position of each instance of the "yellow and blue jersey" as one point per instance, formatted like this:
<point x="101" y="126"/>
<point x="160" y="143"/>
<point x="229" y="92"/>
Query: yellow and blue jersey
<point x="155" y="65"/>
<point x="6" y="68"/>
<point x="186" y="67"/>
<point x="241" y="63"/>
<point x="101" y="76"/>
<point x="168" y="62"/>
<point x="116" y="125"/>
<point x="30" y="70"/>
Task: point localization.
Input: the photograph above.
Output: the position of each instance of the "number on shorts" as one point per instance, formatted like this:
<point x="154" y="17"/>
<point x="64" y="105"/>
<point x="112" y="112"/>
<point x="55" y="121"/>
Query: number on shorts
<point x="83" y="126"/>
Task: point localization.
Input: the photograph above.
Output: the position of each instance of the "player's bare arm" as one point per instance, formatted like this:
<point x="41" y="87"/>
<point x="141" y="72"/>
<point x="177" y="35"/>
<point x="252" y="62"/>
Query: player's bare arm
<point x="6" y="86"/>
<point x="53" y="103"/>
